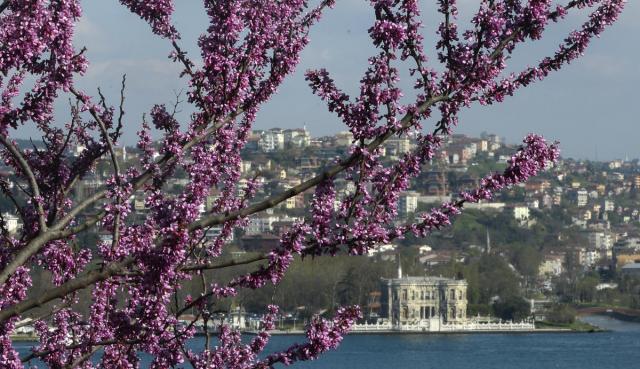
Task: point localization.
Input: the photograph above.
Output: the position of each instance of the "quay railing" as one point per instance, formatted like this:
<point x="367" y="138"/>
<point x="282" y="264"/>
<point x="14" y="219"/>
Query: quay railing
<point x="438" y="326"/>
<point x="490" y="326"/>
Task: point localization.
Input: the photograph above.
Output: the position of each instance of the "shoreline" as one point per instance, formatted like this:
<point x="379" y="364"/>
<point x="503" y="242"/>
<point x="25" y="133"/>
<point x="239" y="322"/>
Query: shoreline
<point x="381" y="333"/>
<point x="582" y="327"/>
<point x="428" y="333"/>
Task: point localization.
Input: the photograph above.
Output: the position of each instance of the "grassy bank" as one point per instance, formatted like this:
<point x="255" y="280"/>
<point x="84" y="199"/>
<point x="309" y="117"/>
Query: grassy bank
<point x="577" y="326"/>
<point x="24" y="337"/>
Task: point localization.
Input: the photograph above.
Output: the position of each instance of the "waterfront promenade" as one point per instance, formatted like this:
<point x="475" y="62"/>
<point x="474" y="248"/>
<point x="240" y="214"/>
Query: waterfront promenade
<point x="435" y="326"/>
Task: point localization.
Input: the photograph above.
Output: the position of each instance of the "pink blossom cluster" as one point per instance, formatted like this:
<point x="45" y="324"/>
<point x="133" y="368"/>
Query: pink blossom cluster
<point x="535" y="156"/>
<point x="37" y="40"/>
<point x="322" y="335"/>
<point x="157" y="13"/>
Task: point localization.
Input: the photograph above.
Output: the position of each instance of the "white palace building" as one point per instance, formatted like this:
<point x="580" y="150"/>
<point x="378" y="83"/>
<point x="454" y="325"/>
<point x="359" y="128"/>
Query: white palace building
<point x="424" y="300"/>
<point x="430" y="304"/>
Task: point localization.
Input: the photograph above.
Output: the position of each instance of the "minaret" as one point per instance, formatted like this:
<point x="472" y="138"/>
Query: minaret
<point x="399" y="267"/>
<point x="488" y="249"/>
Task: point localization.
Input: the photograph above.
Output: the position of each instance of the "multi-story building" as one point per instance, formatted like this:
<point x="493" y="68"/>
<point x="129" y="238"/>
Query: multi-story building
<point x="520" y="213"/>
<point x="297" y="137"/>
<point x="271" y="140"/>
<point x="343" y="138"/>
<point x="11" y="222"/>
<point x="551" y="265"/>
<point x="609" y="205"/>
<point x="398" y="146"/>
<point x="557" y="196"/>
<point x="588" y="257"/>
<point x="601" y="241"/>
<point x="417" y="300"/>
<point x="408" y="203"/>
<point x="261" y="225"/>
<point x="266" y="224"/>
<point x="582" y="197"/>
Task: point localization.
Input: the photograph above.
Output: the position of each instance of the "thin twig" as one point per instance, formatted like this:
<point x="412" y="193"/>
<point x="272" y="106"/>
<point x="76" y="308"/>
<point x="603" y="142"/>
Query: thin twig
<point x="33" y="183"/>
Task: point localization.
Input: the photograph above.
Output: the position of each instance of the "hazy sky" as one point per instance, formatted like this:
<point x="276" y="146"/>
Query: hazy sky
<point x="591" y="106"/>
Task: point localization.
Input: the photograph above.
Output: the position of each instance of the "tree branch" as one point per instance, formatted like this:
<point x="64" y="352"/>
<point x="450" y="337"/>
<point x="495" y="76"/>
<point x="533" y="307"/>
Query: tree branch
<point x="33" y="183"/>
<point x="110" y="146"/>
<point x="79" y="361"/>
<point x="59" y="232"/>
<point x="73" y="285"/>
<point x="108" y="271"/>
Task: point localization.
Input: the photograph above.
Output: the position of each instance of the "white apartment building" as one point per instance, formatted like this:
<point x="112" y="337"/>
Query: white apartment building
<point x="521" y="213"/>
<point x="582" y="197"/>
<point x="265" y="224"/>
<point x="271" y="140"/>
<point x="408" y="203"/>
<point x="297" y="137"/>
<point x="261" y="225"/>
<point x="11" y="222"/>
<point x="609" y="205"/>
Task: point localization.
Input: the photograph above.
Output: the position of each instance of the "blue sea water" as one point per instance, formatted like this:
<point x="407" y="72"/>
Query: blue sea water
<point x="618" y="348"/>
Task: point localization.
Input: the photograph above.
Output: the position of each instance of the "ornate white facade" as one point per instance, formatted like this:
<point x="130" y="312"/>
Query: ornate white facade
<point x="424" y="300"/>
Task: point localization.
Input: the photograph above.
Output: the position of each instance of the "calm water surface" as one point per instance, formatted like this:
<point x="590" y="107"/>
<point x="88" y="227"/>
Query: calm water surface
<point x="619" y="348"/>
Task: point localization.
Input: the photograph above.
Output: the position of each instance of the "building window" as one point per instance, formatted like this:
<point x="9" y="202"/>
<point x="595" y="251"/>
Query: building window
<point x="404" y="295"/>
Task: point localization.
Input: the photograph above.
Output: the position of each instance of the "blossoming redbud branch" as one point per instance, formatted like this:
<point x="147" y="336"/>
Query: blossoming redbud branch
<point x="247" y="50"/>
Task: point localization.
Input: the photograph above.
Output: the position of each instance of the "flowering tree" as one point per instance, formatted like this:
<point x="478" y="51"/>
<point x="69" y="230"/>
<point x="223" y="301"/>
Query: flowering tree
<point x="248" y="49"/>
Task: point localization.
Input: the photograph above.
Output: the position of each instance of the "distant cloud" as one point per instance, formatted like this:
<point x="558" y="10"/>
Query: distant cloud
<point x="89" y="34"/>
<point x="607" y="65"/>
<point x="145" y="67"/>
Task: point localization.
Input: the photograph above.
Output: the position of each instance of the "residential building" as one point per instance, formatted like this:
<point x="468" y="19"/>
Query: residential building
<point x="11" y="223"/>
<point x="609" y="205"/>
<point x="601" y="241"/>
<point x="271" y="140"/>
<point x="397" y="146"/>
<point x="261" y="225"/>
<point x="408" y="203"/>
<point x="520" y="213"/>
<point x="552" y="265"/>
<point x="297" y="137"/>
<point x="343" y="138"/>
<point x="582" y="197"/>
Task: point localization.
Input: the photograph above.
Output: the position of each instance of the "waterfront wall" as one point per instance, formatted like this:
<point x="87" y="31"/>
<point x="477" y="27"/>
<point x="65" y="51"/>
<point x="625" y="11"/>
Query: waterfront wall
<point x="437" y="326"/>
